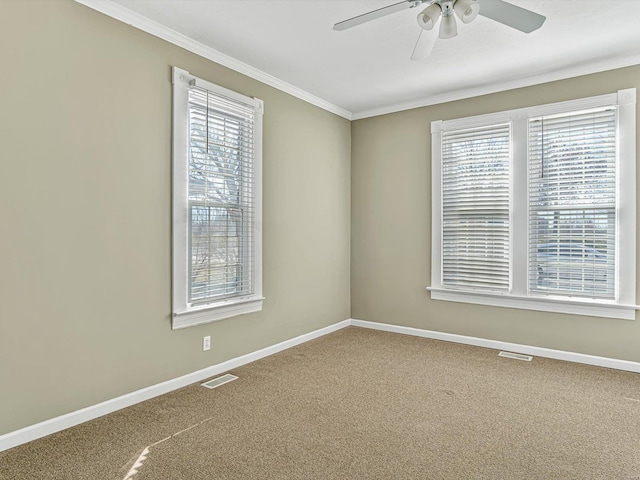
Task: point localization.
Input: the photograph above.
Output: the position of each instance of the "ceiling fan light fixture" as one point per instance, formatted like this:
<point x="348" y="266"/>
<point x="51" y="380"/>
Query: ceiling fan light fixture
<point x="448" y="27"/>
<point x="429" y="16"/>
<point x="466" y="10"/>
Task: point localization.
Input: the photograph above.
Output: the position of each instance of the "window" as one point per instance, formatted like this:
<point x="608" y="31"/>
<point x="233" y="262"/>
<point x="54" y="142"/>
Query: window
<point x="535" y="208"/>
<point x="475" y="208"/>
<point x="572" y="203"/>
<point x="216" y="202"/>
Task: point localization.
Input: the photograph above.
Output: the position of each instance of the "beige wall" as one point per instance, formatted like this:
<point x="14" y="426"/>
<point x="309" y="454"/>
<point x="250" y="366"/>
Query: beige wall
<point x="85" y="209"/>
<point x="391" y="229"/>
<point x="85" y="139"/>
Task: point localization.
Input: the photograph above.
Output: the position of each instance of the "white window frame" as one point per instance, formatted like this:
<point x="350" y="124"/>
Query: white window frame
<point x="184" y="314"/>
<point x="623" y="307"/>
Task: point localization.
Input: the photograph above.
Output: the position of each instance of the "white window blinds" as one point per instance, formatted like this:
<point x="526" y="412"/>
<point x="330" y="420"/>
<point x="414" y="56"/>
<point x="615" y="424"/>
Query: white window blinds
<point x="475" y="208"/>
<point x="572" y="204"/>
<point x="220" y="197"/>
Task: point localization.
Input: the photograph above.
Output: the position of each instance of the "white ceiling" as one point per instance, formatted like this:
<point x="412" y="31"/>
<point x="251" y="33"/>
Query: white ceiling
<point x="367" y="70"/>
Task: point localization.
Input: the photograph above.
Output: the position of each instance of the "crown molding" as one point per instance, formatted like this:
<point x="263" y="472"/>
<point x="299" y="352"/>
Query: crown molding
<point x="577" y="71"/>
<point x="140" y="22"/>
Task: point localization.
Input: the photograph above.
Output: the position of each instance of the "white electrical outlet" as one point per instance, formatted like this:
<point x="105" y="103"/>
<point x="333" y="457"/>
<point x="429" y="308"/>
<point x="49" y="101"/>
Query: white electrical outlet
<point x="206" y="343"/>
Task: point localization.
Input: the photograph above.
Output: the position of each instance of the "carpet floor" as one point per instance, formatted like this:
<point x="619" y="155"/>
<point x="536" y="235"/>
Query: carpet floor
<point x="364" y="404"/>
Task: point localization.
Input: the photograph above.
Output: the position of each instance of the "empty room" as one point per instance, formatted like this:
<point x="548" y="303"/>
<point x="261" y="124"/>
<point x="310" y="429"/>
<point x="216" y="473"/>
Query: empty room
<point x="319" y="239"/>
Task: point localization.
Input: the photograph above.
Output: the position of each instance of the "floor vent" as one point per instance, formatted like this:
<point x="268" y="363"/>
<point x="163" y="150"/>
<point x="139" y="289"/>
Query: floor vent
<point x="516" y="356"/>
<point x="216" y="382"/>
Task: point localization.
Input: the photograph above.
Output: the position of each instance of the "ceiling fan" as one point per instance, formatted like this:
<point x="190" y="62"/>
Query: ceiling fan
<point x="466" y="10"/>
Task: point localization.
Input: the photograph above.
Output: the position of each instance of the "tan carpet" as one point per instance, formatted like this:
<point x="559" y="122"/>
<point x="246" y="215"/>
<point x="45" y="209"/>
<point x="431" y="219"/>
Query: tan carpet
<point x="362" y="404"/>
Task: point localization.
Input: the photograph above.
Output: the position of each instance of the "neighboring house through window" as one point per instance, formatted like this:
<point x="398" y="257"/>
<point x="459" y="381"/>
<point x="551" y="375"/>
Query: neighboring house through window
<point x="217" y="156"/>
<point x="535" y="208"/>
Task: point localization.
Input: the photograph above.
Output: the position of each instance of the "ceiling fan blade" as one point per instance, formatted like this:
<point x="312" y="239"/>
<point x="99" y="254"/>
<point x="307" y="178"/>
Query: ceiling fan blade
<point x="381" y="12"/>
<point x="511" y="15"/>
<point x="424" y="45"/>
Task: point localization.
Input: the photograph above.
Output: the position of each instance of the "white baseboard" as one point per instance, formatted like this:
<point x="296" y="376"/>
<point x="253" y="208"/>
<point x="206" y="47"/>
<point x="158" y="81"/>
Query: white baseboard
<point x="42" y="429"/>
<point x="498" y="345"/>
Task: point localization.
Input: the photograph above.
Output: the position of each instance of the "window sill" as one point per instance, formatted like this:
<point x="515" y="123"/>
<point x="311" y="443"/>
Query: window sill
<point x="215" y="311"/>
<point x="594" y="308"/>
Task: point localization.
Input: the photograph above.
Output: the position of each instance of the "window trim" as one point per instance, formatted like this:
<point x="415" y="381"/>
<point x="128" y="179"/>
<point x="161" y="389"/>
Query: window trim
<point x="184" y="315"/>
<point x="518" y="297"/>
